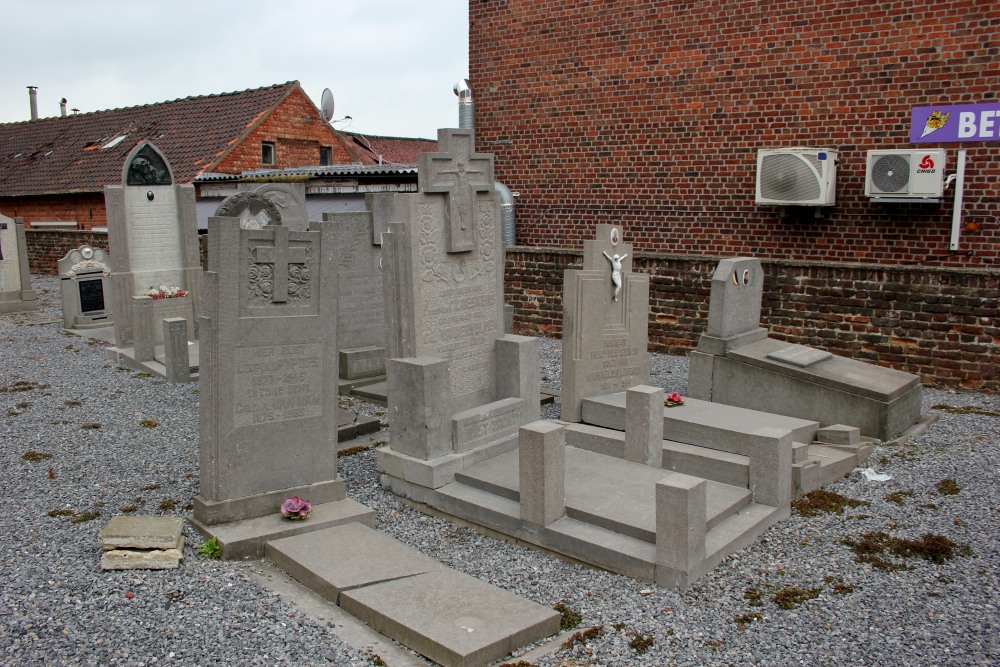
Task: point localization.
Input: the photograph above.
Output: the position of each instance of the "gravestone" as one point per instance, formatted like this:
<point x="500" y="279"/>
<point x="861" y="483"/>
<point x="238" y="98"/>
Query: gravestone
<point x="361" y="307"/>
<point x="458" y="386"/>
<point x="605" y="323"/>
<point x="153" y="239"/>
<point x="268" y="385"/>
<point x="85" y="279"/>
<point x="16" y="294"/>
<point x="736" y="363"/>
<point x="289" y="199"/>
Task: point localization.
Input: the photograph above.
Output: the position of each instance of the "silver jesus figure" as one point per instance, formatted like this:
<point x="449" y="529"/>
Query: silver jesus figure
<point x="616" y="270"/>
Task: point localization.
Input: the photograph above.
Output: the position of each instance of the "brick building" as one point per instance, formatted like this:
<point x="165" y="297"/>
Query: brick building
<point x="53" y="170"/>
<point x="650" y="115"/>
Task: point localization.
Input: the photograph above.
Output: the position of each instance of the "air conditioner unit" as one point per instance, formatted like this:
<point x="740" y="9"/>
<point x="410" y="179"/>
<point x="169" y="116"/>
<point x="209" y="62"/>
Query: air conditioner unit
<point x="796" y="176"/>
<point x="905" y="174"/>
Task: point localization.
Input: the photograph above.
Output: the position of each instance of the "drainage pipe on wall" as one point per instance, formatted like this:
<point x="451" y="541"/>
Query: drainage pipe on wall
<point x="467" y="121"/>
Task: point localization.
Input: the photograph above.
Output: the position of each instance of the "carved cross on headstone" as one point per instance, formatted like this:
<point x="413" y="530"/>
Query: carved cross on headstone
<point x="460" y="173"/>
<point x="280" y="256"/>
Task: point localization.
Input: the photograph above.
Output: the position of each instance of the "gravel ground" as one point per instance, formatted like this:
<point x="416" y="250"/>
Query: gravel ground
<point x="57" y="607"/>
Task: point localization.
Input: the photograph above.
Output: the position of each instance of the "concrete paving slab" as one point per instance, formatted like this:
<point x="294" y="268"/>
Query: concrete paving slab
<point x="450" y="617"/>
<point x="341" y="558"/>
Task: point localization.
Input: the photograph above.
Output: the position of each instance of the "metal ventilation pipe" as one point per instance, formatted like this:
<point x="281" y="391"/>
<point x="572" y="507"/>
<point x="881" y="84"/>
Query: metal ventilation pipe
<point x="466" y="109"/>
<point x="508" y="221"/>
<point x="33" y="101"/>
<point x="62" y="107"/>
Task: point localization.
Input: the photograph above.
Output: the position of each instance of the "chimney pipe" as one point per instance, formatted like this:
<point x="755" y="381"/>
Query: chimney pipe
<point x="466" y="108"/>
<point x="33" y="100"/>
<point x="62" y="107"/>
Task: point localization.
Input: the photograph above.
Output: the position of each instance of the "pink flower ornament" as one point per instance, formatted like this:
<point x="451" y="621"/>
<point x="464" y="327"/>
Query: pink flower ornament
<point x="673" y="400"/>
<point x="296" y="508"/>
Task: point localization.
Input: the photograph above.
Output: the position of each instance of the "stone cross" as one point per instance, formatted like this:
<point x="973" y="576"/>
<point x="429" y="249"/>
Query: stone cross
<point x="459" y="172"/>
<point x="280" y="256"/>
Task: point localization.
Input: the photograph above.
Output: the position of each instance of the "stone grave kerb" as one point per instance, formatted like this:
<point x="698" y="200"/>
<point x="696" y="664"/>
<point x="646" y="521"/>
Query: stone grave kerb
<point x="460" y="173"/>
<point x="152" y="236"/>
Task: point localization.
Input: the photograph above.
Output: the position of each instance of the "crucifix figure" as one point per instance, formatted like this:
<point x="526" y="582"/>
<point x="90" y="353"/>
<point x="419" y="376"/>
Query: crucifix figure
<point x="280" y="256"/>
<point x="461" y="174"/>
<point x="616" y="270"/>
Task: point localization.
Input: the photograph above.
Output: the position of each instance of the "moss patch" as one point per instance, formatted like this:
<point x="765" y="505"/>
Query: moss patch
<point x="823" y="501"/>
<point x="568" y="619"/>
<point x="899" y="497"/>
<point x="948" y="487"/>
<point x="793" y="596"/>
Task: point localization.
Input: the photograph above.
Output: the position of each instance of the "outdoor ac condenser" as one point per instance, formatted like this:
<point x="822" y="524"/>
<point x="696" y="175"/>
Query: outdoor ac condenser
<point x="796" y="176"/>
<point x="905" y="174"/>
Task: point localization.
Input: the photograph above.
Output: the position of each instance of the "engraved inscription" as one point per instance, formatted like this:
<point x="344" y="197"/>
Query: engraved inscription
<point x="276" y="383"/>
<point x="613" y="365"/>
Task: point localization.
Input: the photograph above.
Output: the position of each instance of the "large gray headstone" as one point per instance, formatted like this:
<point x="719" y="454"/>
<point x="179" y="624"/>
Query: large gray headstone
<point x="457" y="384"/>
<point x="268" y="384"/>
<point x="16" y="294"/>
<point x="737" y="289"/>
<point x="605" y="323"/>
<point x="152" y="237"/>
<point x="85" y="278"/>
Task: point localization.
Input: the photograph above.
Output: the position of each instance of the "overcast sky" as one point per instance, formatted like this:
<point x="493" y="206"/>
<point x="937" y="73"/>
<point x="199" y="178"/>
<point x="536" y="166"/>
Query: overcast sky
<point x="391" y="64"/>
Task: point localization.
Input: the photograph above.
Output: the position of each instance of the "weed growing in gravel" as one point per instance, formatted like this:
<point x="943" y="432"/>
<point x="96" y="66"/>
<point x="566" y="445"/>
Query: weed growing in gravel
<point x="743" y="620"/>
<point x="519" y="663"/>
<point x="23" y="385"/>
<point x="73" y="402"/>
<point x="948" y="487"/>
<point x="793" y="596"/>
<point x="965" y="410"/>
<point x="821" y="500"/>
<point x="935" y="548"/>
<point x="754" y="597"/>
<point x="376" y="659"/>
<point x="142" y="374"/>
<point x="149" y="487"/>
<point x="582" y="637"/>
<point x="80" y="517"/>
<point x="899" y="497"/>
<point x="569" y="619"/>
<point x="65" y="511"/>
<point x="838" y="585"/>
<point x="351" y="451"/>
<point x="35" y="457"/>
<point x="168" y="505"/>
<point x="210" y="549"/>
<point x="128" y="509"/>
<point x="148" y="423"/>
<point x="641" y="643"/>
<point x="92" y="426"/>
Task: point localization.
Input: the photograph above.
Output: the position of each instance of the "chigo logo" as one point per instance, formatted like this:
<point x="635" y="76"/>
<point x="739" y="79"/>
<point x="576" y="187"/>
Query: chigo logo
<point x="926" y="165"/>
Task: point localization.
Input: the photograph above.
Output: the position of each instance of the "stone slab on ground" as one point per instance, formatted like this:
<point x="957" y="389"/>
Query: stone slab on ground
<point x="448" y="616"/>
<point x="245" y="539"/>
<point x="141" y="559"/>
<point x="141" y="532"/>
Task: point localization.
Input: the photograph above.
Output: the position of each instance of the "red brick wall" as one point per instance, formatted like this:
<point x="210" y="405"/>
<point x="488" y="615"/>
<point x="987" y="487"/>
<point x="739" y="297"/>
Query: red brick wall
<point x="649" y="114"/>
<point x="938" y="323"/>
<point x="47" y="247"/>
<point x="87" y="209"/>
<point x="297" y="132"/>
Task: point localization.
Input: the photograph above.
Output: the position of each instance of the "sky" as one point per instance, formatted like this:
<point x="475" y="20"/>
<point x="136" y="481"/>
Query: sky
<point x="390" y="64"/>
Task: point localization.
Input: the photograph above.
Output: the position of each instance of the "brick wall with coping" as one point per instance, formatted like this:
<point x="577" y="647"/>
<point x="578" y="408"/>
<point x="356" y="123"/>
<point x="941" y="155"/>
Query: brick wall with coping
<point x="937" y="323"/>
<point x="649" y="115"/>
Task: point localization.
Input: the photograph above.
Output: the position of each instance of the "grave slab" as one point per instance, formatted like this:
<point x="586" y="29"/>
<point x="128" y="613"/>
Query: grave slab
<point x="149" y="559"/>
<point x="450" y="617"/>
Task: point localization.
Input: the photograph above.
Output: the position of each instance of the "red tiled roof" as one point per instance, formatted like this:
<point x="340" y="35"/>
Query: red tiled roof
<point x="66" y="153"/>
<point x="366" y="148"/>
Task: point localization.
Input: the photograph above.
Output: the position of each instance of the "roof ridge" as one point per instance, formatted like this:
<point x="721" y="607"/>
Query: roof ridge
<point x="384" y="136"/>
<point x="154" y="104"/>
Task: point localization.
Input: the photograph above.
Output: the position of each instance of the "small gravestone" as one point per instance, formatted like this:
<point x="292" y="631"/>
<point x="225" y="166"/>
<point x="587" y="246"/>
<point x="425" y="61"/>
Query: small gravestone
<point x="360" y="310"/>
<point x="85" y="278"/>
<point x="736" y="363"/>
<point x="268" y="385"/>
<point x="254" y="211"/>
<point x="605" y="323"/>
<point x="153" y="239"/>
<point x="16" y="294"/>
<point x="458" y="386"/>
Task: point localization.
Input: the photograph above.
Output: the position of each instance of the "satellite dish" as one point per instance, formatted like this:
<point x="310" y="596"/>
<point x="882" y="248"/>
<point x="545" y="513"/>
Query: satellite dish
<point x="326" y="105"/>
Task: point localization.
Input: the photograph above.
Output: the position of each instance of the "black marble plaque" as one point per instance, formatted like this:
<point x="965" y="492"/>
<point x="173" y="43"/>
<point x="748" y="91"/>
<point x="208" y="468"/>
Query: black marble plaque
<point x="91" y="295"/>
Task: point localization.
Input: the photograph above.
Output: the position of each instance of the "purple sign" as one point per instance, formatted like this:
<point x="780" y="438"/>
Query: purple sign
<point x="955" y="122"/>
